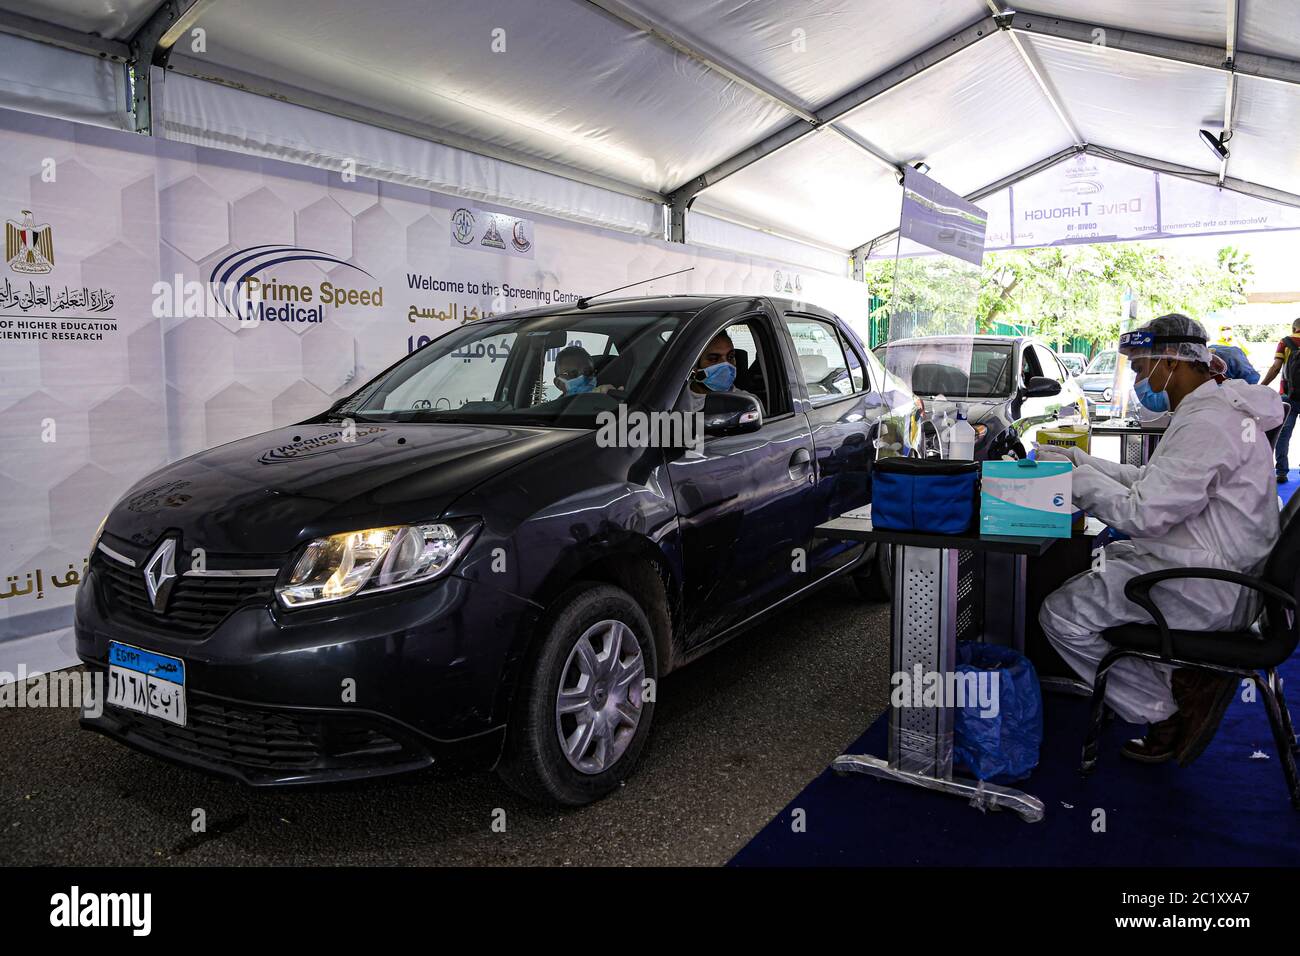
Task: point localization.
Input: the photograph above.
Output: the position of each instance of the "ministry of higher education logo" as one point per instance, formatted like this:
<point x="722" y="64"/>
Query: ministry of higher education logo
<point x="29" y="248"/>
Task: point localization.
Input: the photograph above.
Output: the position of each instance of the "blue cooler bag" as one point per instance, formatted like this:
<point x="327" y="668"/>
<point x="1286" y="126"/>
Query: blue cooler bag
<point x="1004" y="745"/>
<point x="936" y="495"/>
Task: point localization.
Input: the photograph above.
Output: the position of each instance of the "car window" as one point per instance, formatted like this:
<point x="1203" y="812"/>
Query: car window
<point x="757" y="370"/>
<point x="1030" y="368"/>
<point x="950" y="367"/>
<point x="821" y="359"/>
<point x="1103" y="363"/>
<point x="1047" y="362"/>
<point x="857" y="372"/>
<point x="506" y="370"/>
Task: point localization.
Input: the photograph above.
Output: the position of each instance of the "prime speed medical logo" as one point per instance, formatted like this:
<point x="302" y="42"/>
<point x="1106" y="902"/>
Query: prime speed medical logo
<point x="245" y="286"/>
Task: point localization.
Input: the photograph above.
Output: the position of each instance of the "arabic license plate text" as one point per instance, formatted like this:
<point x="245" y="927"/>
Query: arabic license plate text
<point x="146" y="683"/>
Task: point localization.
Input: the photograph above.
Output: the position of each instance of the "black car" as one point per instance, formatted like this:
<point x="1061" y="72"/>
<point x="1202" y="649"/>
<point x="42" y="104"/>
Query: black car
<point x="1008" y="387"/>
<point x="461" y="561"/>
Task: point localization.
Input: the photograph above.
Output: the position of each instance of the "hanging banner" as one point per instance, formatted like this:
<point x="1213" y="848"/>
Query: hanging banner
<point x="159" y="298"/>
<point x="940" y="219"/>
<point x="1087" y="198"/>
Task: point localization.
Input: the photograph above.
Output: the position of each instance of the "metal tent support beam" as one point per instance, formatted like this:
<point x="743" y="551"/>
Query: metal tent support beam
<point x="1132" y="159"/>
<point x="32" y="29"/>
<point x="1234" y="15"/>
<point x="1275" y="68"/>
<point x="681" y="198"/>
<point x="152" y="46"/>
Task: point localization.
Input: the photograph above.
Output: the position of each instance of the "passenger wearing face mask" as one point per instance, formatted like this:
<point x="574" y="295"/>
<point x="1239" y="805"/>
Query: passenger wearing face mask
<point x="715" y="371"/>
<point x="1206" y="499"/>
<point x="575" y="373"/>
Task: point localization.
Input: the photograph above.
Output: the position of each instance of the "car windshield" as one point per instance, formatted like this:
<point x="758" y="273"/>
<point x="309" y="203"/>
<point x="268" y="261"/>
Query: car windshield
<point x="539" y="370"/>
<point x="1104" y="362"/>
<point x="965" y="369"/>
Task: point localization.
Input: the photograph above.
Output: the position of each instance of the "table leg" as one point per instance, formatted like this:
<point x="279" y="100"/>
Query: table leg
<point x="923" y="638"/>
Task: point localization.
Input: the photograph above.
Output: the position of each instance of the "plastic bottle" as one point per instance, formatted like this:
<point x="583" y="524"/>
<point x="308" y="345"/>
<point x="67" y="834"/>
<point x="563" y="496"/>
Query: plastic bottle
<point x="961" y="439"/>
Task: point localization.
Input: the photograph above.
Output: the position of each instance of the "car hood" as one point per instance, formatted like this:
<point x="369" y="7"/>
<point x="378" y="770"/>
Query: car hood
<point x="267" y="493"/>
<point x="976" y="409"/>
<point x="1096" y="381"/>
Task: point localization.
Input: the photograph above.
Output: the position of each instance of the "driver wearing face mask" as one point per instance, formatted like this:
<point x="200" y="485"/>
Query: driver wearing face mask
<point x="715" y="371"/>
<point x="1205" y="499"/>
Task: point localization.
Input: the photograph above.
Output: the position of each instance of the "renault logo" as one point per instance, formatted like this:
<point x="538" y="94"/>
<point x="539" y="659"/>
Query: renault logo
<point x="160" y="574"/>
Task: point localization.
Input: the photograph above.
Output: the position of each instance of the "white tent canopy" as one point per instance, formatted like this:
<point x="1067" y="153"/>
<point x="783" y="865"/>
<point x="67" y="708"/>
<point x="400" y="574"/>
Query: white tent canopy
<point x="789" y="116"/>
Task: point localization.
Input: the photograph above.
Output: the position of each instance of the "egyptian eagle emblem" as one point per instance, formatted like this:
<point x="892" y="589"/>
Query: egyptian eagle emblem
<point x="29" y="248"/>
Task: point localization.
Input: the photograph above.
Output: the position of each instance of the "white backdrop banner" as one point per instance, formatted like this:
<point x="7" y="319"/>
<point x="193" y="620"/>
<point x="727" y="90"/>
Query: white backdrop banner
<point x="158" y="298"/>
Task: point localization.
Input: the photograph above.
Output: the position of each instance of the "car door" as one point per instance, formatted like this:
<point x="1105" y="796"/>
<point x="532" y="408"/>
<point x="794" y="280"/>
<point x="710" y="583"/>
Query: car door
<point x="1033" y="414"/>
<point x="1074" y="406"/>
<point x="844" y="413"/>
<point x="745" y="501"/>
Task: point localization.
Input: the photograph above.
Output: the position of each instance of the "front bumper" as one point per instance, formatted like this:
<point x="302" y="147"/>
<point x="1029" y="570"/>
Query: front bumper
<point x="391" y="683"/>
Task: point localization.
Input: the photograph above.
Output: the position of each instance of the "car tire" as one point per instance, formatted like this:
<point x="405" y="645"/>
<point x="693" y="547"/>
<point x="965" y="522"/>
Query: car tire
<point x="535" y="763"/>
<point x="875" y="580"/>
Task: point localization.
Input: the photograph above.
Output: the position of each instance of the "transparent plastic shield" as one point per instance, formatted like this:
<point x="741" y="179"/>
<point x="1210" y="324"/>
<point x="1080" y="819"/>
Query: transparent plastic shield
<point x="925" y="326"/>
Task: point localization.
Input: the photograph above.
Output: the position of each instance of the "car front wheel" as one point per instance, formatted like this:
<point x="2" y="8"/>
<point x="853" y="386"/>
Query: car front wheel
<point x="583" y="711"/>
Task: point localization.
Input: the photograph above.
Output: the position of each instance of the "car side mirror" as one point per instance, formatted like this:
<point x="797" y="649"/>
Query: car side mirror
<point x="1041" y="387"/>
<point x="731" y="413"/>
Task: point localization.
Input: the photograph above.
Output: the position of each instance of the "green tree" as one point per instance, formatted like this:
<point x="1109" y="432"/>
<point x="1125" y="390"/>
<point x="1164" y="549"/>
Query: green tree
<point x="1059" y="293"/>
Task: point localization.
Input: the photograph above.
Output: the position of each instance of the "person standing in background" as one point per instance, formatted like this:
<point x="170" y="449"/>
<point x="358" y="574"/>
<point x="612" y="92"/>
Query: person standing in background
<point x="1287" y="361"/>
<point x="1239" y="367"/>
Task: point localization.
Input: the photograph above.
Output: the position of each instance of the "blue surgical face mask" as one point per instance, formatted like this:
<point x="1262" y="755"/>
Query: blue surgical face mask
<point x="579" y="384"/>
<point x="720" y="377"/>
<point x="1151" y="399"/>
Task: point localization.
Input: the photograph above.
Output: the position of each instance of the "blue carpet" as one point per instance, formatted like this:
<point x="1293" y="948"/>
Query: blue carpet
<point x="1290" y="487"/>
<point x="1227" y="809"/>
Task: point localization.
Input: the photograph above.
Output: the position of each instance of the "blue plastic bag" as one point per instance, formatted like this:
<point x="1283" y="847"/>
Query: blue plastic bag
<point x="998" y="738"/>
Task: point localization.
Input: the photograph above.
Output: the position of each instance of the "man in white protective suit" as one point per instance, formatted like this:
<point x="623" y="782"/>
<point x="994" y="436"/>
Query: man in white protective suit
<point x="1207" y="498"/>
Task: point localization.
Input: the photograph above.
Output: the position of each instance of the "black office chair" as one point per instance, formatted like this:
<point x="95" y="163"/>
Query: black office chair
<point x="1245" y="654"/>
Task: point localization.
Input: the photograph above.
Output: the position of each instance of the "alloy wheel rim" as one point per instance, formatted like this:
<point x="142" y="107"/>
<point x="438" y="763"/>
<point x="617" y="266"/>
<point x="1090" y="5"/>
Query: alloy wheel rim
<point x="599" y="703"/>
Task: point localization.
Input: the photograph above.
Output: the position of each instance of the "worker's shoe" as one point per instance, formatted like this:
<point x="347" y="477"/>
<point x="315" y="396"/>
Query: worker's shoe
<point x="1159" y="745"/>
<point x="1203" y="697"/>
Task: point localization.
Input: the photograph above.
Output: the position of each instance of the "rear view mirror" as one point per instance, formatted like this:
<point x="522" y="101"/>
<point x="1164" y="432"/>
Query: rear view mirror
<point x="1040" y="387"/>
<point x="731" y="413"/>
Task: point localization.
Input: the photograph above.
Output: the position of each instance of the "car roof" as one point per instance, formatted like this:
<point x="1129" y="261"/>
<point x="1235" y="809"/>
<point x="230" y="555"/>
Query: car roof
<point x="642" y="303"/>
<point x="983" y="339"/>
<point x="691" y="304"/>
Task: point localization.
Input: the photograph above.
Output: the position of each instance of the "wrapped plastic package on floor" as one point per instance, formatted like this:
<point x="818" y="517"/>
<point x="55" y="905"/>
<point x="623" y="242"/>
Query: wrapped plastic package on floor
<point x="998" y="726"/>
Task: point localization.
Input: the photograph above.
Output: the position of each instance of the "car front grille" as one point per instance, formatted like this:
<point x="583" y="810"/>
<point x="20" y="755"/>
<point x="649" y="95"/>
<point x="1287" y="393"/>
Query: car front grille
<point x="196" y="604"/>
<point x="249" y="737"/>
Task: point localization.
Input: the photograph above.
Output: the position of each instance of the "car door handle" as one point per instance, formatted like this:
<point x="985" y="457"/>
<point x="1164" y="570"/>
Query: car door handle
<point x="801" y="465"/>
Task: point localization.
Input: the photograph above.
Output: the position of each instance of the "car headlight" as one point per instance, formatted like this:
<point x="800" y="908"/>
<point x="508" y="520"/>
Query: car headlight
<point x="377" y="559"/>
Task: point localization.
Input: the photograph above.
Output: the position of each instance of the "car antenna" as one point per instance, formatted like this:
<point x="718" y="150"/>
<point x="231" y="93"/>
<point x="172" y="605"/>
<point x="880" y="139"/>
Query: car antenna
<point x="582" y="303"/>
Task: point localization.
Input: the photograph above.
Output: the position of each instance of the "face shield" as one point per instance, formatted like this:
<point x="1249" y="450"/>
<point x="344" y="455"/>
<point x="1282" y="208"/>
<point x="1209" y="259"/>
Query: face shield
<point x="1152" y="351"/>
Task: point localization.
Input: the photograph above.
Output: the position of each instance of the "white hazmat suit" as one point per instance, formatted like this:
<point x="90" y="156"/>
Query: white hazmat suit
<point x="1207" y="498"/>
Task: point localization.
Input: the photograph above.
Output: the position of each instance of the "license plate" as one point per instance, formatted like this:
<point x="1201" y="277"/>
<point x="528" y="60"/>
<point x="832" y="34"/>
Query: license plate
<point x="146" y="683"/>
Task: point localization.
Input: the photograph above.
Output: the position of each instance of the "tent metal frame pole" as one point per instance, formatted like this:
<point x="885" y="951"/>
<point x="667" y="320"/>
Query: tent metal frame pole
<point x="151" y="46"/>
<point x="1005" y="20"/>
<point x="681" y="198"/>
<point x="1132" y="159"/>
<point x="1233" y="24"/>
<point x="1274" y="68"/>
<point x="29" y="28"/>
